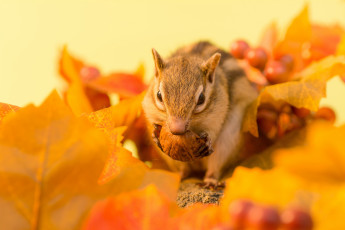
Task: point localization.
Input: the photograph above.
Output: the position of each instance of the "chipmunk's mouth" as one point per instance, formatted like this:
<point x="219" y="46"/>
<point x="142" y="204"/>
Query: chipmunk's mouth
<point x="187" y="147"/>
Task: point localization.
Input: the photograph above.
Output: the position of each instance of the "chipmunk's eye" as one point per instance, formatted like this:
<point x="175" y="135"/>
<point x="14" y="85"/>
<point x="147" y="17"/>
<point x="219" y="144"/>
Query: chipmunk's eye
<point x="159" y="96"/>
<point x="201" y="99"/>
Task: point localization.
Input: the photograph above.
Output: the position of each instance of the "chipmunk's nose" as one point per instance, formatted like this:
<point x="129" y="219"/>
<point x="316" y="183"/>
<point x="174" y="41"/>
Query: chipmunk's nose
<point x="177" y="126"/>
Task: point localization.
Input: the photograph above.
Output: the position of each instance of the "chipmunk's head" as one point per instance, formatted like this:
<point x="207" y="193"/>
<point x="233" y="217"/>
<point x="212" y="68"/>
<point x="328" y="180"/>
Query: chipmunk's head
<point x="183" y="88"/>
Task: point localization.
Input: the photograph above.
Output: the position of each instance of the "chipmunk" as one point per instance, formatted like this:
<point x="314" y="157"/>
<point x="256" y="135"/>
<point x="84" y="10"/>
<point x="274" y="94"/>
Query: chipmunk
<point x="200" y="88"/>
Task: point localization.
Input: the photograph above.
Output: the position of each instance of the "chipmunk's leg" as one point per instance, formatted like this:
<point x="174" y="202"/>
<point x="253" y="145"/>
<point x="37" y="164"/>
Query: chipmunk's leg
<point x="225" y="152"/>
<point x="225" y="149"/>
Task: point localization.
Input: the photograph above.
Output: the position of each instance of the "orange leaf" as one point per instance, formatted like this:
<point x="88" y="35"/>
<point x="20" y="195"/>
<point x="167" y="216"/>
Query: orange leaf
<point x="50" y="162"/>
<point x="97" y="99"/>
<point x="49" y="165"/>
<point x="329" y="210"/>
<point x="75" y="95"/>
<point x="297" y="39"/>
<point x="272" y="187"/>
<point x="6" y="109"/>
<point x="324" y="41"/>
<point x="143" y="209"/>
<point x="120" y="160"/>
<point x="139" y="133"/>
<point x="122" y="168"/>
<point x="69" y="69"/>
<point x="201" y="217"/>
<point x="305" y="92"/>
<point x="341" y="51"/>
<point x="125" y="171"/>
<point x="320" y="159"/>
<point x="122" y="114"/>
<point x="300" y="28"/>
<point x="77" y="100"/>
<point x="308" y="43"/>
<point x="253" y="74"/>
<point x="114" y="118"/>
<point x="150" y="209"/>
<point x="341" y="46"/>
<point x="124" y="84"/>
<point x="113" y="121"/>
<point x="79" y="96"/>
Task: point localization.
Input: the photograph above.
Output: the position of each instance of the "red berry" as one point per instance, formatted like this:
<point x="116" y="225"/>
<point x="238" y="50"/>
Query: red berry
<point x="263" y="218"/>
<point x="276" y="72"/>
<point x="287" y="60"/>
<point x="238" y="211"/>
<point x="284" y="121"/>
<point x="301" y="112"/>
<point x="293" y="219"/>
<point x="296" y="122"/>
<point x="326" y="113"/>
<point x="239" y="49"/>
<point x="257" y="58"/>
<point x="88" y="73"/>
<point x="286" y="108"/>
<point x="268" y="128"/>
<point x="266" y="120"/>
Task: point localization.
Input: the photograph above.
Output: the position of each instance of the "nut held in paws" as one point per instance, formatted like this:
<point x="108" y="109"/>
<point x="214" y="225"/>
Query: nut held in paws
<point x="187" y="147"/>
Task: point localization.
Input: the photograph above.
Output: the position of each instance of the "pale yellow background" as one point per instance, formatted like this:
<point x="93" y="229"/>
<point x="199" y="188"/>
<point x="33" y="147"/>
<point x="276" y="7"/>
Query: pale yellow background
<point x="117" y="35"/>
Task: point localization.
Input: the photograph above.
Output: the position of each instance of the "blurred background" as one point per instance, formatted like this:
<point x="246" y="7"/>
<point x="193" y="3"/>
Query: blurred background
<point x="117" y="35"/>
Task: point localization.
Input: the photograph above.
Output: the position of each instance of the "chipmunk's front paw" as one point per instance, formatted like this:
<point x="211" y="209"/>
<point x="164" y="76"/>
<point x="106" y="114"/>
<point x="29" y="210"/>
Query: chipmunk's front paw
<point x="205" y="149"/>
<point x="211" y="181"/>
<point x="155" y="135"/>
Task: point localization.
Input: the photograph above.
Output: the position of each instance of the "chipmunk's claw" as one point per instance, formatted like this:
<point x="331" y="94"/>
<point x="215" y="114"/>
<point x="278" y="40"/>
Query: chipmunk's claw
<point x="205" y="150"/>
<point x="210" y="182"/>
<point x="212" y="185"/>
<point x="202" y="151"/>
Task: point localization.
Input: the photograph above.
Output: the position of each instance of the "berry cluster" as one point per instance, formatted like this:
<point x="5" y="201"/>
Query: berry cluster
<point x="276" y="70"/>
<point x="248" y="215"/>
<point x="275" y="121"/>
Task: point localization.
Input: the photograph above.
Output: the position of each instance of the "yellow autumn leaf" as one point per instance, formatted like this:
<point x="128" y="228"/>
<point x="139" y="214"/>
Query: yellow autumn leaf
<point x="111" y="120"/>
<point x="6" y="109"/>
<point x="341" y="46"/>
<point x="50" y="163"/>
<point x="122" y="114"/>
<point x="328" y="211"/>
<point x="300" y="28"/>
<point x="272" y="187"/>
<point x="297" y="36"/>
<point x="305" y="92"/>
<point x="75" y="95"/>
<point x="141" y="209"/>
<point x="320" y="159"/>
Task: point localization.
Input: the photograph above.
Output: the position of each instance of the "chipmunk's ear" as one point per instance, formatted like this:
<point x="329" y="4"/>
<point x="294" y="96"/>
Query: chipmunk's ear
<point x="159" y="62"/>
<point x="210" y="66"/>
